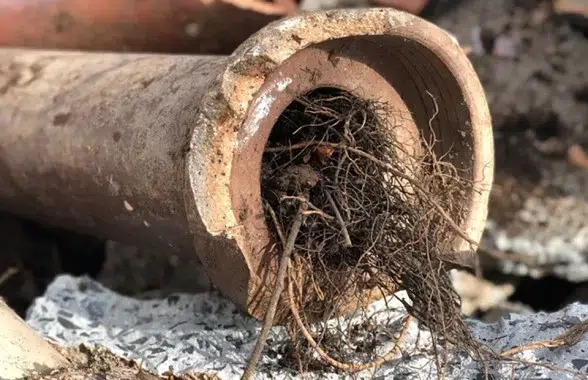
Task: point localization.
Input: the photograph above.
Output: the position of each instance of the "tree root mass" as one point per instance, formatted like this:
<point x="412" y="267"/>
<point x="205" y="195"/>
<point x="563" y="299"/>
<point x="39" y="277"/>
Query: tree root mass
<point x="376" y="219"/>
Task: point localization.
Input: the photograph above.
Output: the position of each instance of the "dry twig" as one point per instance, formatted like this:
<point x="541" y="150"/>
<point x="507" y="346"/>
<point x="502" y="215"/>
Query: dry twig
<point x="273" y="303"/>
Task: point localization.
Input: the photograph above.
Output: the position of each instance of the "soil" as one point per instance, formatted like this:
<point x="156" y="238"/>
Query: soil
<point x="537" y="92"/>
<point x="95" y="363"/>
<point x="532" y="64"/>
<point x="32" y="255"/>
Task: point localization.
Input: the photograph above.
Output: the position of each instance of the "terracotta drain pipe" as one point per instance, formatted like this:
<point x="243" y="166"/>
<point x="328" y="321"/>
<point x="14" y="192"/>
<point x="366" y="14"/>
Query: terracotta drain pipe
<point x="24" y="352"/>
<point x="171" y="26"/>
<point x="166" y="150"/>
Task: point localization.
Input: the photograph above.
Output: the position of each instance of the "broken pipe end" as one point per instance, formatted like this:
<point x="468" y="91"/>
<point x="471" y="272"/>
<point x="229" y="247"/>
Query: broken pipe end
<point x="379" y="54"/>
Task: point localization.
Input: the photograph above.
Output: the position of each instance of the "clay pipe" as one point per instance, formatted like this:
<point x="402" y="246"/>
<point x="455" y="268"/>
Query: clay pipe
<point x="166" y="150"/>
<point x="166" y="26"/>
<point x="24" y="353"/>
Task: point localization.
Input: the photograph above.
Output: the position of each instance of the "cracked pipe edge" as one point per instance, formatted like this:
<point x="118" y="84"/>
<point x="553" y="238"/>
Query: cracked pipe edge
<point x="24" y="352"/>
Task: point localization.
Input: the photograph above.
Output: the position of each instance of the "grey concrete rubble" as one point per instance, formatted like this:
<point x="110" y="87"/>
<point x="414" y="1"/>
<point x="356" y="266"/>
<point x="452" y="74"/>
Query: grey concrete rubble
<point x="547" y="189"/>
<point x="205" y="333"/>
<point x="553" y="231"/>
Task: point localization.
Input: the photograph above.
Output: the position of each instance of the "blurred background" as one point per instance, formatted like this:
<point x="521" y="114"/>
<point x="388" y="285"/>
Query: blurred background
<point x="532" y="59"/>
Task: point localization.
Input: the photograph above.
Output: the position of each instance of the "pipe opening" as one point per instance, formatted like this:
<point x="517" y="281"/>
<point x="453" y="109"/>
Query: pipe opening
<point x="417" y="159"/>
<point x="306" y="160"/>
<point x="370" y="203"/>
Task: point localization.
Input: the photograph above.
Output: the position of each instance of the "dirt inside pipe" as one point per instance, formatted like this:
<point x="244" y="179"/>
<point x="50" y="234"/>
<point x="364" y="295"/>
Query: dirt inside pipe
<point x="376" y="218"/>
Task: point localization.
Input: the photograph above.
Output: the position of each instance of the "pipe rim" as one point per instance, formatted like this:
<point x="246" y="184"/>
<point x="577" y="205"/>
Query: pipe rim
<point x="226" y="115"/>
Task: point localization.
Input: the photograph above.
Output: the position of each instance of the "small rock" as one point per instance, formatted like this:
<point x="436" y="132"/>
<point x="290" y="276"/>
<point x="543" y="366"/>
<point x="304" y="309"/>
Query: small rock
<point x="478" y="294"/>
<point x="506" y="47"/>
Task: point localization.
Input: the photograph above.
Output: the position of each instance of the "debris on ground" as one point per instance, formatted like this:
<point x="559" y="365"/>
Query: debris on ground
<point x="538" y="203"/>
<point x="205" y="333"/>
<point x="479" y="295"/>
<point x="95" y="362"/>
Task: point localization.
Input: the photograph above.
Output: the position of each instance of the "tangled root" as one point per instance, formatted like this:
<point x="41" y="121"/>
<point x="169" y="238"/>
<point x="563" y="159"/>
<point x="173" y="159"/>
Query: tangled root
<point x="377" y="218"/>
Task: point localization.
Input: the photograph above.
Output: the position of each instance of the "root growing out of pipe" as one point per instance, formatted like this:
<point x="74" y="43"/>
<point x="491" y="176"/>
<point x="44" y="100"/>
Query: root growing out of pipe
<point x="377" y="218"/>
